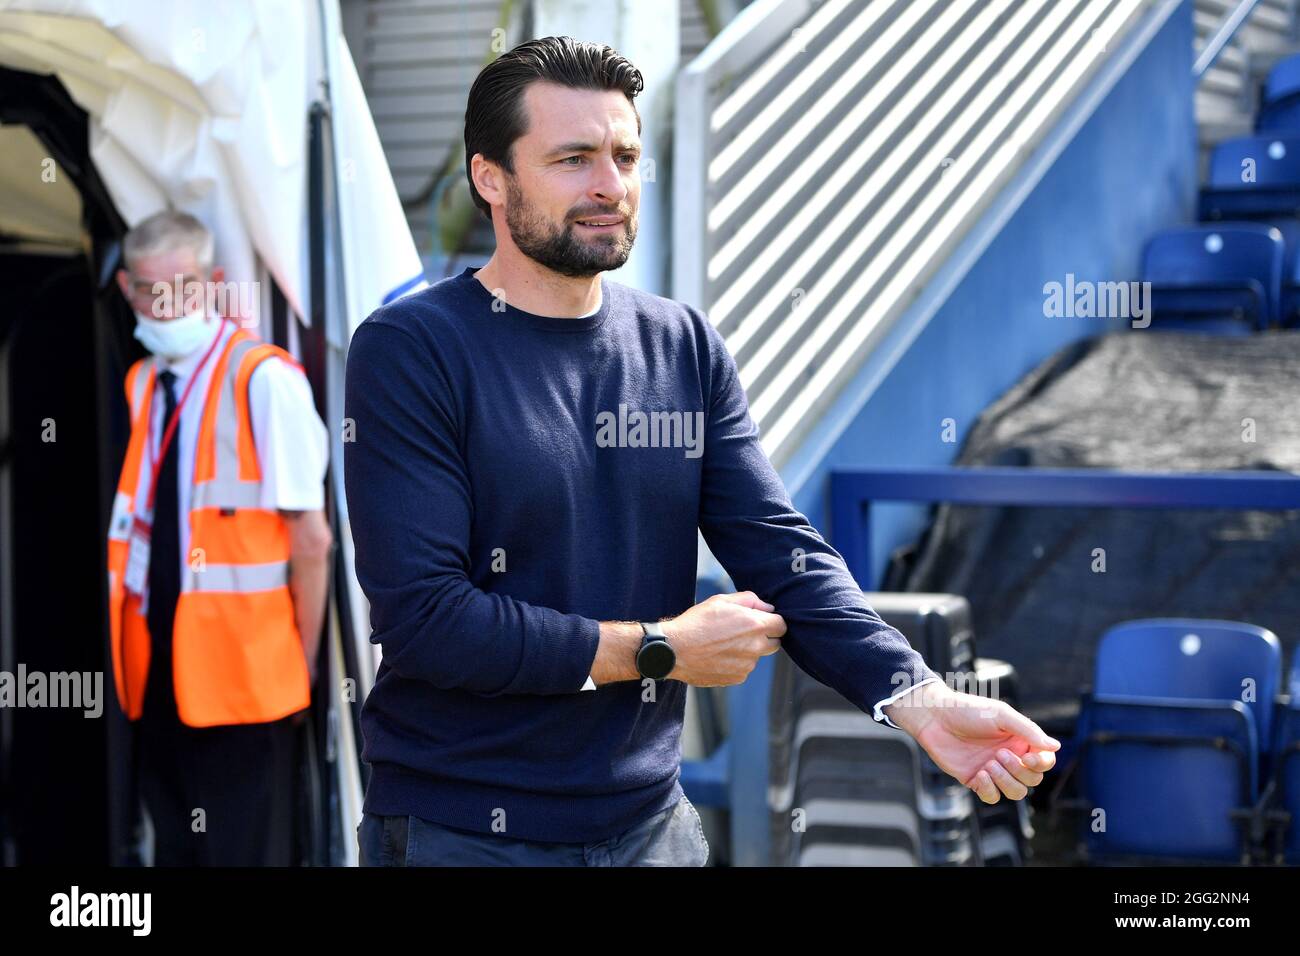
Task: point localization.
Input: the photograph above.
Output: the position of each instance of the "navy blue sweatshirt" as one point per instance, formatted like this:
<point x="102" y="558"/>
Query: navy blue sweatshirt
<point x="509" y="486"/>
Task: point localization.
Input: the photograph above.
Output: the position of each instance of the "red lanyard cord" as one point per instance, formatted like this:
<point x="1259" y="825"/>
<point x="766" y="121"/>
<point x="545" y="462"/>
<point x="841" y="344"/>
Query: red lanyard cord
<point x="156" y="466"/>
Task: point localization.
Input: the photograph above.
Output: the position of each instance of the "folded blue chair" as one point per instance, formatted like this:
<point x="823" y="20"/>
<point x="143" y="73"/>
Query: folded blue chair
<point x="1225" y="277"/>
<point x="1279" y="107"/>
<point x="1257" y="179"/>
<point x="1170" y="739"/>
<point x="1167" y="780"/>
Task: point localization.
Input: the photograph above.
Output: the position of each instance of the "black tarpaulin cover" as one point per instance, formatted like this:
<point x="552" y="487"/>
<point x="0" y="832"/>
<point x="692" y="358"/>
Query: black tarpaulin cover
<point x="1169" y="402"/>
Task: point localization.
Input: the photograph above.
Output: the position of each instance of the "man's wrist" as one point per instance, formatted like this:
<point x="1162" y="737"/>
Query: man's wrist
<point x="616" y="655"/>
<point x="914" y="709"/>
<point x="665" y="625"/>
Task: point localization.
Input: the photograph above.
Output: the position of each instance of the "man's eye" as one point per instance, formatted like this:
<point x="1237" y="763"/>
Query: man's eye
<point x="567" y="158"/>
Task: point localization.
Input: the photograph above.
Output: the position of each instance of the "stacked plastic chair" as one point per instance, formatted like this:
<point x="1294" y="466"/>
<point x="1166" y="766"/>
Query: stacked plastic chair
<point x="1171" y="739"/>
<point x="846" y="790"/>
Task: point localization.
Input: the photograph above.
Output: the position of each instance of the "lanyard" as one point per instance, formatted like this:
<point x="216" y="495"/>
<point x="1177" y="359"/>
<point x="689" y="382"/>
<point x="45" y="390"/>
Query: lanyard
<point x="156" y="466"/>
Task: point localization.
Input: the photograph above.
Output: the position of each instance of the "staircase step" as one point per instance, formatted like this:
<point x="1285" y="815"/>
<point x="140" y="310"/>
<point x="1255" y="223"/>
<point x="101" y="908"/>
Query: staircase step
<point x="1227" y="96"/>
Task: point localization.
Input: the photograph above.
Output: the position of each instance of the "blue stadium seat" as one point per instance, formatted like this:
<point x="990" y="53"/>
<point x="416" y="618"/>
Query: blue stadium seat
<point x="1173" y="737"/>
<point x="1280" y="103"/>
<point x="1284" y="800"/>
<point x="1257" y="179"/>
<point x="1175" y="779"/>
<point x="1254" y="163"/>
<point x="1284" y="806"/>
<point x="1225" y="277"/>
<point x="1189" y="657"/>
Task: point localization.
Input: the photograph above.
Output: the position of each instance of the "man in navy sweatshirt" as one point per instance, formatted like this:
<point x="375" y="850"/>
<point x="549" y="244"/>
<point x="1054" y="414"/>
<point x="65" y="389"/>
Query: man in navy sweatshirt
<point x="534" y="448"/>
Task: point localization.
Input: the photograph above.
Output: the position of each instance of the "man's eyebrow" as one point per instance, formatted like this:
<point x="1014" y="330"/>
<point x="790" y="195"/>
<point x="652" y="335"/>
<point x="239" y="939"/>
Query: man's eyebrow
<point x="591" y="148"/>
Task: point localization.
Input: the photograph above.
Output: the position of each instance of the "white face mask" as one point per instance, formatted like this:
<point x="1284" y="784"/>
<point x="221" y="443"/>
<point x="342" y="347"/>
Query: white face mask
<point x="174" y="338"/>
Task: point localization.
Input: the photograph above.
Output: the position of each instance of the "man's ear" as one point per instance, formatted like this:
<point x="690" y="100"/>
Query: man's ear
<point x="124" y="284"/>
<point x="485" y="178"/>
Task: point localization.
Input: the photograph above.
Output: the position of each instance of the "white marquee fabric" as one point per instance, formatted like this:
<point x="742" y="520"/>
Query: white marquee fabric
<point x="204" y="107"/>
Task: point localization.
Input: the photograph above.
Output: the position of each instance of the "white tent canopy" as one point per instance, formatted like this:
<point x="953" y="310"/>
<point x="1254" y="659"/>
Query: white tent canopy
<point x="204" y="107"/>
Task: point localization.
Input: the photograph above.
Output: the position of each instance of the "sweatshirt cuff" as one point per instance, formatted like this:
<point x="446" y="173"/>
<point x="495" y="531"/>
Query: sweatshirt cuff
<point x="879" y="714"/>
<point x="555" y="657"/>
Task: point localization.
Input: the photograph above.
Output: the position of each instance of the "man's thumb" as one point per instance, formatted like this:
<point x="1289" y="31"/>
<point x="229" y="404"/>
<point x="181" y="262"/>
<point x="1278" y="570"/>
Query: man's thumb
<point x="748" y="599"/>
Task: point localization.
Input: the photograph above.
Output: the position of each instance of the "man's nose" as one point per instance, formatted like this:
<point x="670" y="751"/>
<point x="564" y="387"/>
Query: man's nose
<point x="609" y="181"/>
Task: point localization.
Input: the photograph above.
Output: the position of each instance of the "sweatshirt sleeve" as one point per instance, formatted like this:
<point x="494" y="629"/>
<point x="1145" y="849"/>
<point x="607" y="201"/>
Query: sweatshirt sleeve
<point x="768" y="547"/>
<point x="402" y="464"/>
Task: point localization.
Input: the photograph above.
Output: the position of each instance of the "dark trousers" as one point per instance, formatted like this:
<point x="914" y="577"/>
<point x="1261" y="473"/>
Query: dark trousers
<point x="672" y="837"/>
<point x="217" y="796"/>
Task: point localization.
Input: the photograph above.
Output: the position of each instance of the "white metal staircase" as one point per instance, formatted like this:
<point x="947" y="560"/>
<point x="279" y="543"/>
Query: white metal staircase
<point x="1228" y="93"/>
<point x="831" y="154"/>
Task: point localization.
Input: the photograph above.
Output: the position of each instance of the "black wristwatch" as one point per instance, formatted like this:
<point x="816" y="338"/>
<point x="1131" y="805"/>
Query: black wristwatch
<point x="656" y="658"/>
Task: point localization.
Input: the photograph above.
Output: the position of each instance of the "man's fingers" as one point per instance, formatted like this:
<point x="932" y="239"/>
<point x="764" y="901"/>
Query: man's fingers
<point x="771" y="625"/>
<point x="982" y="784"/>
<point x="773" y="645"/>
<point x="748" y="599"/>
<point x="1016" y="767"/>
<point x="1008" y="784"/>
<point x="1042" y="760"/>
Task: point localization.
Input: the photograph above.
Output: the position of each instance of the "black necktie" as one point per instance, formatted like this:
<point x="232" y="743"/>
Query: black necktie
<point x="164" y="566"/>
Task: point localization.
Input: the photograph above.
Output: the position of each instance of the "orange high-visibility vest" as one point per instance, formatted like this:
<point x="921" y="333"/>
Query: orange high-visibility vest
<point x="236" y="651"/>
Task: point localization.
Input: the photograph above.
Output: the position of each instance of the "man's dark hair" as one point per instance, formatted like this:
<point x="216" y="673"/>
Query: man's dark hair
<point x="495" y="115"/>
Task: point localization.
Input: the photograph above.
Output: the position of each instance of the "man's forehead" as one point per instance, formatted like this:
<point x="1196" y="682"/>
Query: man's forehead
<point x="167" y="262"/>
<point x="561" y="115"/>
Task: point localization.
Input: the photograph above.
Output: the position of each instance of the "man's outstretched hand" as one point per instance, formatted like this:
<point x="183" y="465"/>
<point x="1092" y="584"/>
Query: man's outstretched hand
<point x="986" y="744"/>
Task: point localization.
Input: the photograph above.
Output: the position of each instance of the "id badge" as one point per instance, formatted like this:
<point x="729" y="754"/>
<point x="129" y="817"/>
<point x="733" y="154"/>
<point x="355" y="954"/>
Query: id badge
<point x="137" y="557"/>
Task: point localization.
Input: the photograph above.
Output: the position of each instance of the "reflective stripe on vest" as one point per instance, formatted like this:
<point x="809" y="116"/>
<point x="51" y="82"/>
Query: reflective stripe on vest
<point x="139" y="388"/>
<point x="242" y="578"/>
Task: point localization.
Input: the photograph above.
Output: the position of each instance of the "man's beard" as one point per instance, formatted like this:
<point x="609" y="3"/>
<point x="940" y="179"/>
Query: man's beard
<point x="562" y="250"/>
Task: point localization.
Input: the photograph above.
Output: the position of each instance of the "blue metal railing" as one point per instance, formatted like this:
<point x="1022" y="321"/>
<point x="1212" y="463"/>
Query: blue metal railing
<point x="854" y="491"/>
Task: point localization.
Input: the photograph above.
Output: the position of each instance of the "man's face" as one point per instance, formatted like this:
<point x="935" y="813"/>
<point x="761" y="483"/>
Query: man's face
<point x="137" y="282"/>
<point x="578" y="161"/>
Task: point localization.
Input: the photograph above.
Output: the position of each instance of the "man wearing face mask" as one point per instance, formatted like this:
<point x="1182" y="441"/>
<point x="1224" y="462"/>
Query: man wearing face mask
<point x="218" y="557"/>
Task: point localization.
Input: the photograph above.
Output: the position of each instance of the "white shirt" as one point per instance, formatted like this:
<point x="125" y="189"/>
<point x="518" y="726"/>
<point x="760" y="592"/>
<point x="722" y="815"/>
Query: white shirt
<point x="879" y="715"/>
<point x="292" y="441"/>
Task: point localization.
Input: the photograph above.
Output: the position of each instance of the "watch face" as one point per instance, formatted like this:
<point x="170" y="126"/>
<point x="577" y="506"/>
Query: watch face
<point x="656" y="660"/>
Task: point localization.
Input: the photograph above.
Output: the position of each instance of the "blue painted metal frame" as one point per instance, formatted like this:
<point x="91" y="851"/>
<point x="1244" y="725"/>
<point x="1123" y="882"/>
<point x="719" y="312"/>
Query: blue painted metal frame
<point x="854" y="491"/>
